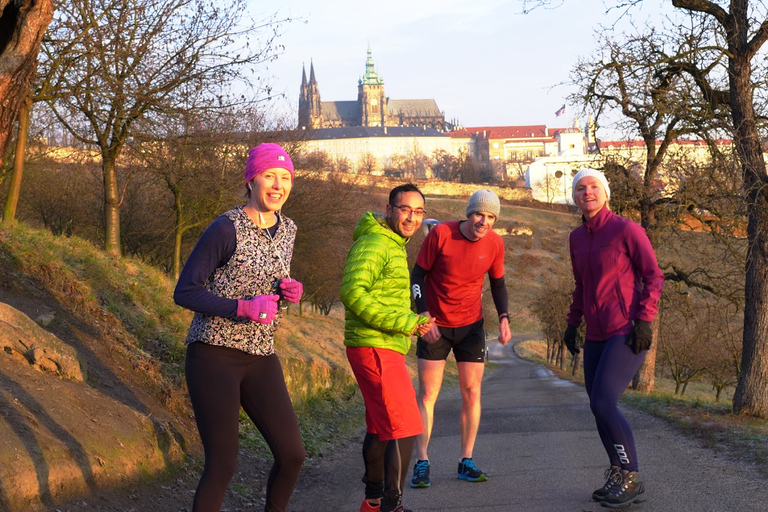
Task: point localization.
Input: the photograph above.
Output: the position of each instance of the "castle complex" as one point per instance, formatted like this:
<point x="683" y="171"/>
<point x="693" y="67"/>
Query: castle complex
<point x="372" y="108"/>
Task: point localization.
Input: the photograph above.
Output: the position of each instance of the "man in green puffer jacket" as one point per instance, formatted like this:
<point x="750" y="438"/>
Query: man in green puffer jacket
<point x="378" y="327"/>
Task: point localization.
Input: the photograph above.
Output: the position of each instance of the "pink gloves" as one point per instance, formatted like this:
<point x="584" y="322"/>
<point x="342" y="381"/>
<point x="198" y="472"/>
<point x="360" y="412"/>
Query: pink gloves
<point x="261" y="308"/>
<point x="291" y="290"/>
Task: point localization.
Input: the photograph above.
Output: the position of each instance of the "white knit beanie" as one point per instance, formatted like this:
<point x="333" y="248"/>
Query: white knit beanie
<point x="595" y="174"/>
<point x="484" y="201"/>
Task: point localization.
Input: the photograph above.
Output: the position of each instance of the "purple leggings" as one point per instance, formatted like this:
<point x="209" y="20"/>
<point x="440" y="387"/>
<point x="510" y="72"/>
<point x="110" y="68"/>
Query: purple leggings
<point x="220" y="380"/>
<point x="608" y="369"/>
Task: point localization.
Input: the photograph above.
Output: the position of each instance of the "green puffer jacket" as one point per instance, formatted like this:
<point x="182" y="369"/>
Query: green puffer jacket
<point x="375" y="289"/>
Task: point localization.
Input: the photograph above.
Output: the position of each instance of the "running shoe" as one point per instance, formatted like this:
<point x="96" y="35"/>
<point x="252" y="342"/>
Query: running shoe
<point x="420" y="474"/>
<point x="612" y="477"/>
<point x="367" y="507"/>
<point x="628" y="491"/>
<point x="469" y="472"/>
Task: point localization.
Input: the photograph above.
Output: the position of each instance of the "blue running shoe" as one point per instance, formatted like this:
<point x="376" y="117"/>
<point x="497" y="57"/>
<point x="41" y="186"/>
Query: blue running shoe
<point x="420" y="474"/>
<point x="469" y="472"/>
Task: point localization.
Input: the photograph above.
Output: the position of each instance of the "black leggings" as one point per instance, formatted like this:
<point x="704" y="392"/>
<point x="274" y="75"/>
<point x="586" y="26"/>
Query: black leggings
<point x="220" y="380"/>
<point x="386" y="466"/>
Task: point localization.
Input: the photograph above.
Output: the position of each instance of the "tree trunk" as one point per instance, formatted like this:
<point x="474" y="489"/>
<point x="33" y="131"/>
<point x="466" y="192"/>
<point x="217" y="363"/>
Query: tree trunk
<point x="177" y="234"/>
<point x="22" y="26"/>
<point x="576" y="364"/>
<point x="12" y="201"/>
<point x="111" y="206"/>
<point x="645" y="378"/>
<point x="751" y="396"/>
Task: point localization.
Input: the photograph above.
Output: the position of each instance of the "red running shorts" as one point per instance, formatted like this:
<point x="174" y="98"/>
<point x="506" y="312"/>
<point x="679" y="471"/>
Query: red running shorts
<point x="391" y="411"/>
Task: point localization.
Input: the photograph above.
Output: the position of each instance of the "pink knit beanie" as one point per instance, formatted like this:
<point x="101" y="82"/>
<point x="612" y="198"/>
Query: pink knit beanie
<point x="267" y="156"/>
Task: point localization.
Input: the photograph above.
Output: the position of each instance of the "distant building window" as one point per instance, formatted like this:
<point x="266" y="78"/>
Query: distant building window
<point x="495" y="145"/>
<point x="558" y="174"/>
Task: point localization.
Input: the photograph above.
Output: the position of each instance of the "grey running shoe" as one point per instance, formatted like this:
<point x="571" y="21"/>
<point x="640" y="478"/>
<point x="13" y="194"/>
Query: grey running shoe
<point x="420" y="474"/>
<point x="630" y="490"/>
<point x="469" y="472"/>
<point x="612" y="477"/>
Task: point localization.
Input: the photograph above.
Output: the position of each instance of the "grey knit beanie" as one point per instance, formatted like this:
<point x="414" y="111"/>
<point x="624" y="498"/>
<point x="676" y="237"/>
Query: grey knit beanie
<point x="484" y="201"/>
<point x="595" y="174"/>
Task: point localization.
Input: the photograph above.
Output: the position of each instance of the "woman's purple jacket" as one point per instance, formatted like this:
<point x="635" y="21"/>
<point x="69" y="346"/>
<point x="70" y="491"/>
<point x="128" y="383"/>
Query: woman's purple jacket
<point x="617" y="277"/>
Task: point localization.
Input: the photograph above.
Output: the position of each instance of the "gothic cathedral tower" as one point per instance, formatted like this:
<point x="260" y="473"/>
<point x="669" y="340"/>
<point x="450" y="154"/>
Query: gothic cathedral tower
<point x="309" y="100"/>
<point x="371" y="99"/>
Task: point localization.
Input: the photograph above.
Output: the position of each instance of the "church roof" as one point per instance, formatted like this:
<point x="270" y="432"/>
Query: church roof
<point x="359" y="132"/>
<point x="413" y="107"/>
<point x="339" y="110"/>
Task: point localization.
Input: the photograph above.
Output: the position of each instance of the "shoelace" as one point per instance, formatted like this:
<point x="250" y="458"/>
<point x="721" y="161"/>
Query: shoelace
<point x="469" y="463"/>
<point x="421" y="469"/>
<point x="612" y="476"/>
<point x="623" y="485"/>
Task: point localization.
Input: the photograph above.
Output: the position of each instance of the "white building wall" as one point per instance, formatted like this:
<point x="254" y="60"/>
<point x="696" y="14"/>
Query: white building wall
<point x="383" y="148"/>
<point x="550" y="178"/>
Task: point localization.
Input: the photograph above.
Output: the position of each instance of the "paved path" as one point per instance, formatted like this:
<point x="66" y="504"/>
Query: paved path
<point x="541" y="451"/>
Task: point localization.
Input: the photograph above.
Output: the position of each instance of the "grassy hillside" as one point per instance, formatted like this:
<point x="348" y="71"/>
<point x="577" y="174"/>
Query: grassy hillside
<point x="131" y="417"/>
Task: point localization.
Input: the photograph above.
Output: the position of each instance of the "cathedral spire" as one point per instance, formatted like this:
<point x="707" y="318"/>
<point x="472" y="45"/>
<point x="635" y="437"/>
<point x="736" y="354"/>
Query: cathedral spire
<point x="303" y="77"/>
<point x="371" y="77"/>
<point x="312" y="80"/>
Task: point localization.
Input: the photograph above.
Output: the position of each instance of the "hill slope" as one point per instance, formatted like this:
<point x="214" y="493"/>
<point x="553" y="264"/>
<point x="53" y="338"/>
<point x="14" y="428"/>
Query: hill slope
<point x="61" y="438"/>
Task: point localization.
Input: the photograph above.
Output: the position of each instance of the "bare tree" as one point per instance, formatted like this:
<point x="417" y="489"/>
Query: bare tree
<point x="629" y="76"/>
<point x="686" y="332"/>
<point x="725" y="68"/>
<point x="743" y="30"/>
<point x="66" y="208"/>
<point x="199" y="159"/>
<point x="324" y="206"/>
<point x="724" y="355"/>
<point x="444" y="165"/>
<point x="105" y="66"/>
<point x="22" y="26"/>
<point x="548" y="307"/>
<point x="367" y="164"/>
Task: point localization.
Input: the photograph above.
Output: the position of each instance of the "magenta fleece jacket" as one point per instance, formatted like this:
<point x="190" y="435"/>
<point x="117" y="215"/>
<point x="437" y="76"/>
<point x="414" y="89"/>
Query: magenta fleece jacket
<point x="617" y="277"/>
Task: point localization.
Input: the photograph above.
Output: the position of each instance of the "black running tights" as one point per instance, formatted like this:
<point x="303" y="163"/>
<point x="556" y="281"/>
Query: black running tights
<point x="386" y="466"/>
<point x="220" y="380"/>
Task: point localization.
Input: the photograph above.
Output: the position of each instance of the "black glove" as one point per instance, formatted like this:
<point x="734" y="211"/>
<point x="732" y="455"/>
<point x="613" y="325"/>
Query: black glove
<point x="571" y="339"/>
<point x="641" y="336"/>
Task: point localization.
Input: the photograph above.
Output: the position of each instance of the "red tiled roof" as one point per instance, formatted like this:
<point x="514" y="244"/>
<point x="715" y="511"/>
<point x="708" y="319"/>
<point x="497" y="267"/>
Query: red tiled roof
<point x="641" y="143"/>
<point x="534" y="131"/>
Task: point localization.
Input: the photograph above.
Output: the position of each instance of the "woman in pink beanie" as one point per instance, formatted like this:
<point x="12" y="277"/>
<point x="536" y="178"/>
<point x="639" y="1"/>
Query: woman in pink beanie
<point x="233" y="280"/>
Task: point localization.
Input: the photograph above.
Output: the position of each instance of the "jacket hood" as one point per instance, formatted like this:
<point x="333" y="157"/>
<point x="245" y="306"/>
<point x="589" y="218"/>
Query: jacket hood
<point x="374" y="223"/>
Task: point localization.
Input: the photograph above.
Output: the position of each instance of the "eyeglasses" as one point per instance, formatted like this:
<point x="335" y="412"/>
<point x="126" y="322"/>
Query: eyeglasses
<point x="407" y="210"/>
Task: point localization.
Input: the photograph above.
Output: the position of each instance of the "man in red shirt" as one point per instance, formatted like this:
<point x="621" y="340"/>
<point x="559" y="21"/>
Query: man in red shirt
<point x="447" y="284"/>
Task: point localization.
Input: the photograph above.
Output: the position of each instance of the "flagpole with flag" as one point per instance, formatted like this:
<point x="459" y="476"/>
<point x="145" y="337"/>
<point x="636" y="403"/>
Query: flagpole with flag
<point x="560" y="111"/>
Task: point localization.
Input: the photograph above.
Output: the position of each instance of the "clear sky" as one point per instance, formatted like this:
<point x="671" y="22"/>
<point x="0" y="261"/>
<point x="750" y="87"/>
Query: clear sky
<point x="483" y="61"/>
